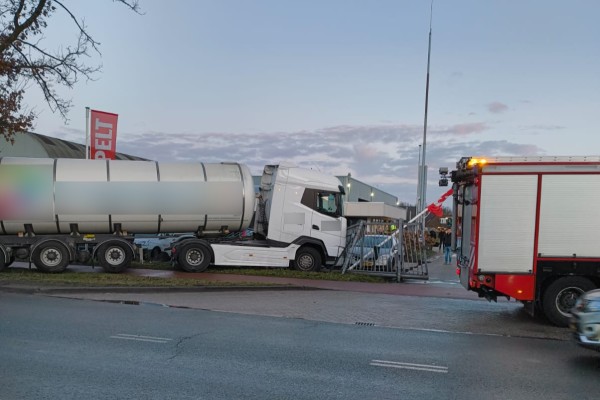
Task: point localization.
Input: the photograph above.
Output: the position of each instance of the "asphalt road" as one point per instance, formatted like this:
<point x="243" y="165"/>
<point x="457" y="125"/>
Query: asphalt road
<point x="439" y="303"/>
<point x="72" y="349"/>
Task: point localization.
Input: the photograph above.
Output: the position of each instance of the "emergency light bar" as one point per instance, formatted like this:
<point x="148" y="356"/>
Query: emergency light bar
<point x="476" y="161"/>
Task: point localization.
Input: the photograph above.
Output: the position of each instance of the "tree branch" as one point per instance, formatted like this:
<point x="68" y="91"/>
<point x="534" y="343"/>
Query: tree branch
<point x="80" y="26"/>
<point x="18" y="29"/>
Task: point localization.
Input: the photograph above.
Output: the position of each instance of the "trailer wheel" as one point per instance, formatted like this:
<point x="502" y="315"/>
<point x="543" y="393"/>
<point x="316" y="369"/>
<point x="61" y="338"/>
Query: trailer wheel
<point x="114" y="256"/>
<point x="308" y="259"/>
<point x="51" y="257"/>
<point x="155" y="254"/>
<point x="194" y="257"/>
<point x="560" y="297"/>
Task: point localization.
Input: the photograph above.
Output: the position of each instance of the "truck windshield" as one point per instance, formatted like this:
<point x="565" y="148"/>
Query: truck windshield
<point x="328" y="203"/>
<point x="324" y="202"/>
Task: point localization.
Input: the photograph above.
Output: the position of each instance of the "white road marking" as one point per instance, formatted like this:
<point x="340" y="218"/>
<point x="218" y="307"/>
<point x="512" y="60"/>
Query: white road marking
<point x="416" y="367"/>
<point x="140" y="338"/>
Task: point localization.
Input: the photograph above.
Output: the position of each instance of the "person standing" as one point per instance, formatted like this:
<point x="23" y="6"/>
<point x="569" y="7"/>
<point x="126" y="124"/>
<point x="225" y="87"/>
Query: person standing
<point x="447" y="247"/>
<point x="441" y="235"/>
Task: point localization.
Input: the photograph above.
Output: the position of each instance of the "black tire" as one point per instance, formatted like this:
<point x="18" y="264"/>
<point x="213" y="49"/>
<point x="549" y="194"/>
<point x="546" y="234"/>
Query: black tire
<point x="308" y="259"/>
<point x="560" y="297"/>
<point x="3" y="264"/>
<point x="51" y="257"/>
<point x="114" y="256"/>
<point x="155" y="254"/>
<point x="194" y="257"/>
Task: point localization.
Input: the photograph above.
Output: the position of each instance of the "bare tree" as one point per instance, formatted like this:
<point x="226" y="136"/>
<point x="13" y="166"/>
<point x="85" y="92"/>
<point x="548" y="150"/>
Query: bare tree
<point x="24" y="59"/>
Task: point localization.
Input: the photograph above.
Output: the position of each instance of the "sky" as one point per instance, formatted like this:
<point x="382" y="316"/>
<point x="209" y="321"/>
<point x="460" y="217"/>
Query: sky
<point x="338" y="85"/>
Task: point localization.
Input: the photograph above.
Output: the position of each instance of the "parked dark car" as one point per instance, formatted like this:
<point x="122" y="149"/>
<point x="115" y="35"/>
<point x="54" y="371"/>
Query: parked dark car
<point x="585" y="320"/>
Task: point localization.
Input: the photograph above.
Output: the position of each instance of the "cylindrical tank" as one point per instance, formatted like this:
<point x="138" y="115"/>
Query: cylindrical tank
<point x="142" y="196"/>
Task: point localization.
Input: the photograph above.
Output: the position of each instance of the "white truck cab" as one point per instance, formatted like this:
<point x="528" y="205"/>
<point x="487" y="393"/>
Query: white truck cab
<point x="298" y="220"/>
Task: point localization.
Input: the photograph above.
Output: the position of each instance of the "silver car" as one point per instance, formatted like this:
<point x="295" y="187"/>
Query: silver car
<point x="585" y="320"/>
<point x="376" y="251"/>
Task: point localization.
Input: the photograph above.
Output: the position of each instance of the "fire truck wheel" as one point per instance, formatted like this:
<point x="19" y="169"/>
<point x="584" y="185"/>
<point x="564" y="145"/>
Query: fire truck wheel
<point x="307" y="260"/>
<point x="194" y="257"/>
<point x="51" y="257"/>
<point x="114" y="256"/>
<point x="560" y="297"/>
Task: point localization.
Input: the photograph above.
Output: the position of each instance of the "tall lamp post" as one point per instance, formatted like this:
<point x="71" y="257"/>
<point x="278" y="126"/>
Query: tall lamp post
<point x="423" y="169"/>
<point x="348" y="186"/>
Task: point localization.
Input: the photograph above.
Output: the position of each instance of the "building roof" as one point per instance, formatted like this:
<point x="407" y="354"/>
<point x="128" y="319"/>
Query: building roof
<point x="29" y="144"/>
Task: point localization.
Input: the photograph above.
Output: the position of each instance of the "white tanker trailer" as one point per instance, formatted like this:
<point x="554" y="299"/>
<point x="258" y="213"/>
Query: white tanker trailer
<point x="56" y="211"/>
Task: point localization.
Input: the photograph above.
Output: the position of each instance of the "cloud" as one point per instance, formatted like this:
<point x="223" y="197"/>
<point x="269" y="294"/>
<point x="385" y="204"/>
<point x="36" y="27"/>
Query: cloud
<point x="543" y="127"/>
<point x="496" y="107"/>
<point x="463" y="129"/>
<point x="384" y="156"/>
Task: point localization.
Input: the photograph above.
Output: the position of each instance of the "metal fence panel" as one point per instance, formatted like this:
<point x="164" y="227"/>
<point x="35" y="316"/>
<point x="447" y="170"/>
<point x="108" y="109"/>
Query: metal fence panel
<point x="414" y="259"/>
<point x="373" y="249"/>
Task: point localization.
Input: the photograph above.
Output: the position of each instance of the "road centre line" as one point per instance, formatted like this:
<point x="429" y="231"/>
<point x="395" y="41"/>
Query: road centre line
<point x="401" y="365"/>
<point x="140" y="338"/>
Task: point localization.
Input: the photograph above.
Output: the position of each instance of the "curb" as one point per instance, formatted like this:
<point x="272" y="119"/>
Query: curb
<point x="113" y="289"/>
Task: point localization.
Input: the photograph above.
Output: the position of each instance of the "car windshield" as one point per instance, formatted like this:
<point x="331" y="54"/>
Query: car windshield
<point x="375" y="240"/>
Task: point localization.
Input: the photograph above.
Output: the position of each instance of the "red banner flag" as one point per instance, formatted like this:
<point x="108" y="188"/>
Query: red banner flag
<point x="435" y="209"/>
<point x="104" y="135"/>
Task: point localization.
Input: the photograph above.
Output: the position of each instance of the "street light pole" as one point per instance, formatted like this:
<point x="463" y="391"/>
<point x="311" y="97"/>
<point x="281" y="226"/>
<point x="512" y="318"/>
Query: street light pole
<point x="423" y="171"/>
<point x="423" y="159"/>
<point x="348" y="186"/>
<point x="419" y="186"/>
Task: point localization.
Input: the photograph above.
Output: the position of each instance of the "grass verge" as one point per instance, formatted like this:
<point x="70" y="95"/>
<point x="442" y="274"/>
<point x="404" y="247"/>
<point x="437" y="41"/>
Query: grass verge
<point x="273" y="272"/>
<point x="91" y="279"/>
<point x="96" y="278"/>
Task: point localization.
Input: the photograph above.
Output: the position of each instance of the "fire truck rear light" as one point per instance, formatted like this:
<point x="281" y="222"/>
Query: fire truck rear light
<point x="519" y="291"/>
<point x="481" y="278"/>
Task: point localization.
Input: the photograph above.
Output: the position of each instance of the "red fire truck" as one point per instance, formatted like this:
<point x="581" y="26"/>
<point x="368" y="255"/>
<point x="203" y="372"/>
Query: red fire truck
<point x="528" y="228"/>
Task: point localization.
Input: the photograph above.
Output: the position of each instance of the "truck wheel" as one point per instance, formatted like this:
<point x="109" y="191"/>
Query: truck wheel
<point x="3" y="263"/>
<point x="560" y="297"/>
<point x="194" y="257"/>
<point x="155" y="254"/>
<point x="308" y="259"/>
<point x="114" y="257"/>
<point x="51" y="257"/>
